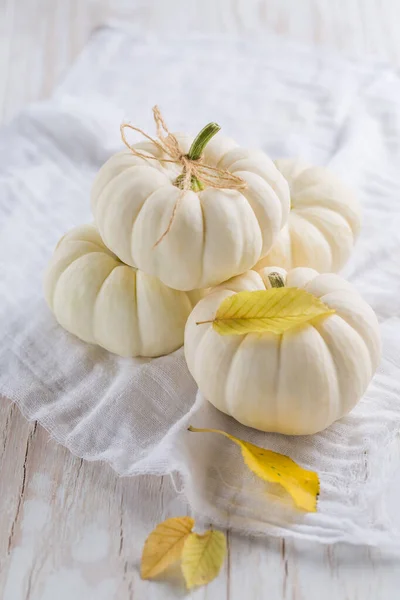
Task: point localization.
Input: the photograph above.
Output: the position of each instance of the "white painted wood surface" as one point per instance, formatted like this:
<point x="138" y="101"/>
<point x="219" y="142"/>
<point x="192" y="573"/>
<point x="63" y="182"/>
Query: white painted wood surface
<point x="73" y="530"/>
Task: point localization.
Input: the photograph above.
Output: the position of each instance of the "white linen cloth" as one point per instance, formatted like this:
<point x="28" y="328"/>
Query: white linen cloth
<point x="133" y="413"/>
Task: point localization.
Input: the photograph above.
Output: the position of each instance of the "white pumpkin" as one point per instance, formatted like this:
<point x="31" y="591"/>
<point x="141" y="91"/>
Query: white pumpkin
<point x="215" y="233"/>
<point x="298" y="382"/>
<point x="103" y="301"/>
<point x="323" y="223"/>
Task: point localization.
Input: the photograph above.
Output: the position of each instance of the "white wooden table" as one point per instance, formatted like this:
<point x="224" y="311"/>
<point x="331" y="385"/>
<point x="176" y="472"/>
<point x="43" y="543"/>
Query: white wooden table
<point x="71" y="530"/>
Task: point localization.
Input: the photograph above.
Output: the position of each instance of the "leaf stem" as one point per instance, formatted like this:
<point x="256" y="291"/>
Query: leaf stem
<point x="206" y="430"/>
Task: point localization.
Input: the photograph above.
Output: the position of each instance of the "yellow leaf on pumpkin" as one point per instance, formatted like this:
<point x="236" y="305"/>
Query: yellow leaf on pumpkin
<point x="301" y="484"/>
<point x="202" y="557"/>
<point x="164" y="545"/>
<point x="275" y="311"/>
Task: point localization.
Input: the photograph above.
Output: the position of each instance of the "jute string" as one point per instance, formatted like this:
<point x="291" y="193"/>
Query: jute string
<point x="167" y="143"/>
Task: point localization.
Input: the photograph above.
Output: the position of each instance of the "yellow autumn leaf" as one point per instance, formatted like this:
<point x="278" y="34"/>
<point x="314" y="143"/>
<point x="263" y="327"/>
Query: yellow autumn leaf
<point x="164" y="545"/>
<point x="202" y="557"/>
<point x="275" y="310"/>
<point x="301" y="484"/>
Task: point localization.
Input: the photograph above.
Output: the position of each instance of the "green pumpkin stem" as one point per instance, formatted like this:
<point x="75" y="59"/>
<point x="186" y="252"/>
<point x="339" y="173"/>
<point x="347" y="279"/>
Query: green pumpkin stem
<point x="201" y="140"/>
<point x="195" y="151"/>
<point x="276" y="280"/>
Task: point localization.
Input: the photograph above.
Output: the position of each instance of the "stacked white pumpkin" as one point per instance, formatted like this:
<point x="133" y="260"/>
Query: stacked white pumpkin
<point x="130" y="281"/>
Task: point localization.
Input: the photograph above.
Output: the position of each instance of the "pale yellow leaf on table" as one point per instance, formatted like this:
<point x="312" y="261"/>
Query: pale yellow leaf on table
<point x="202" y="557"/>
<point x="164" y="545"/>
<point x="301" y="484"/>
<point x="275" y="311"/>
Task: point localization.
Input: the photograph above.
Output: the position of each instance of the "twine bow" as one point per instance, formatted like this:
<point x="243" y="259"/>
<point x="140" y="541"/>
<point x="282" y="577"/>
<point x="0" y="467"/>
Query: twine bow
<point x="195" y="174"/>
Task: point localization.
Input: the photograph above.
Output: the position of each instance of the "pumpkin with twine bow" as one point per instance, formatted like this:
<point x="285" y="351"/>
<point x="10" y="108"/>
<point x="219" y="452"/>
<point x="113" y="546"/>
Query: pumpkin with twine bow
<point x="191" y="212"/>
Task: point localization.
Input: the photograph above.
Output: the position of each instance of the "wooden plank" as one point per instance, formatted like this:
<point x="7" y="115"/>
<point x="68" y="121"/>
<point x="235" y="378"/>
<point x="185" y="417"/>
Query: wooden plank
<point x="75" y="529"/>
<point x="75" y="525"/>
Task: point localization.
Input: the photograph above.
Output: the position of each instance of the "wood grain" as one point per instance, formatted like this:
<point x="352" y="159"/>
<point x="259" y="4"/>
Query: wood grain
<point x="73" y="530"/>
